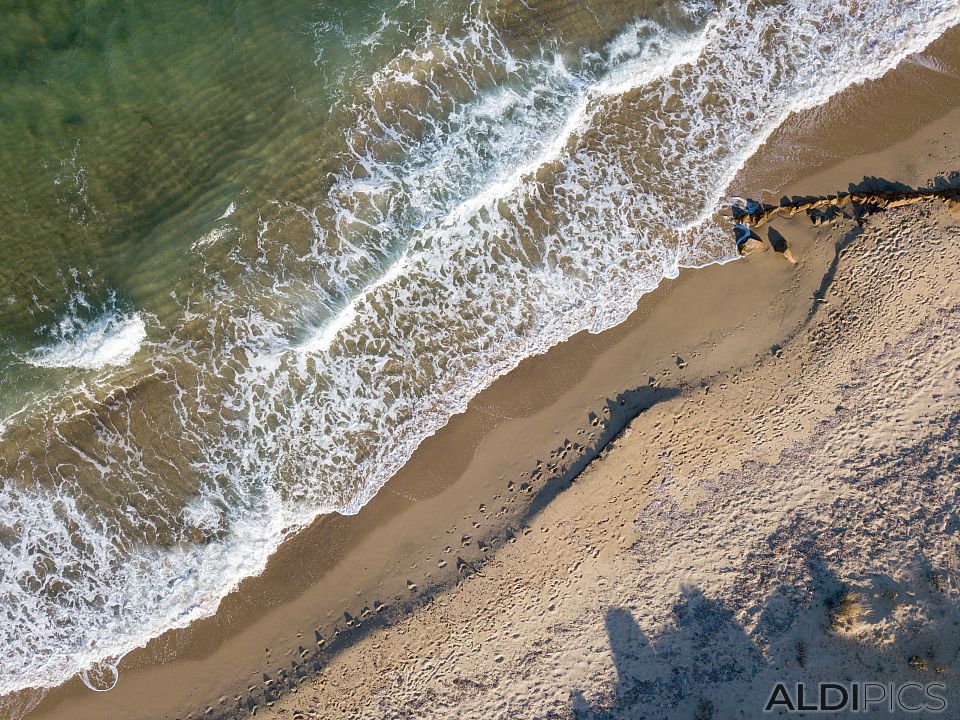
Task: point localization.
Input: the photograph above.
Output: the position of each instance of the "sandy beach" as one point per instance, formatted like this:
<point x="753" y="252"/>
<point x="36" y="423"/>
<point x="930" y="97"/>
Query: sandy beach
<point x="750" y="481"/>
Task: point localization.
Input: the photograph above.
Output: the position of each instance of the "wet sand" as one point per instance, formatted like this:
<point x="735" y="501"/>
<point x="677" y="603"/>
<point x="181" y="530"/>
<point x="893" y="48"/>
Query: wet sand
<point x="466" y="537"/>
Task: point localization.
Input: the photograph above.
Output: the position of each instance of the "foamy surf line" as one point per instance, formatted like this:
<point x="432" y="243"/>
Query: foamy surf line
<point x="109" y="340"/>
<point x="617" y="229"/>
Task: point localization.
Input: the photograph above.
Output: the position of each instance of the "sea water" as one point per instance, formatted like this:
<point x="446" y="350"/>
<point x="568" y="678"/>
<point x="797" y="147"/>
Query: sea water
<point x="253" y="253"/>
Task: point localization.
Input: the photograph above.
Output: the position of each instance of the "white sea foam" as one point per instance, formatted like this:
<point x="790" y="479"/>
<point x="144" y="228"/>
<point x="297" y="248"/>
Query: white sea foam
<point x="491" y="204"/>
<point x="111" y="339"/>
<point x="321" y="339"/>
<point x="211" y="237"/>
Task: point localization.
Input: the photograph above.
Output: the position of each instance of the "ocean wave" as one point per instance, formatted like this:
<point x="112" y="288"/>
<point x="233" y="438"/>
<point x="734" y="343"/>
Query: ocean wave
<point x="110" y="338"/>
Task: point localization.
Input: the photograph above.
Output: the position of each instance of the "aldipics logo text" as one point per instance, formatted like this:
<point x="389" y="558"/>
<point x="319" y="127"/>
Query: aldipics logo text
<point x="872" y="697"/>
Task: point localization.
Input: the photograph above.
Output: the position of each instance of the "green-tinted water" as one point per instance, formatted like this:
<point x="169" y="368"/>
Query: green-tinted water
<point x="127" y="129"/>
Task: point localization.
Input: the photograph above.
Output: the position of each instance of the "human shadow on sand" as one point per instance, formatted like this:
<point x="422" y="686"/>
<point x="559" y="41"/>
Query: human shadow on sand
<point x="706" y="665"/>
<point x="705" y="645"/>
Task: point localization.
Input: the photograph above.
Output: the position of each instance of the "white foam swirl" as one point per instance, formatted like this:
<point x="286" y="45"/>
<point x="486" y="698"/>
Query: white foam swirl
<point x="111" y="339"/>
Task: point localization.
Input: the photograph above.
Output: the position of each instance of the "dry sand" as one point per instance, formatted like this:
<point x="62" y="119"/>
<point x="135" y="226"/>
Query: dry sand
<point x="790" y="520"/>
<point x="778" y="506"/>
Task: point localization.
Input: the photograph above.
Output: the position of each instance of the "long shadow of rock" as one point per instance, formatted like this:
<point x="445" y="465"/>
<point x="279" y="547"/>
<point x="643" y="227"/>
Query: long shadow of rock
<point x="872" y="183"/>
<point x="948" y="180"/>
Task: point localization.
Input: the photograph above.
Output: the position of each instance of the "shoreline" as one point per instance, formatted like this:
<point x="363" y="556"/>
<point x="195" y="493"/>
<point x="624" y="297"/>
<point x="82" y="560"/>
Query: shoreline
<point x="788" y="521"/>
<point x="540" y="411"/>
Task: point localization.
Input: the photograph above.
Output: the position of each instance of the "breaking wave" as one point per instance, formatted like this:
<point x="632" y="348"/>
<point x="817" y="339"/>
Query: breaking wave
<point x="110" y="339"/>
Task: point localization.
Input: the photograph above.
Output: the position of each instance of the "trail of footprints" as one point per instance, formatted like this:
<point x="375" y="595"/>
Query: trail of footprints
<point x="770" y="419"/>
<point x="462" y="558"/>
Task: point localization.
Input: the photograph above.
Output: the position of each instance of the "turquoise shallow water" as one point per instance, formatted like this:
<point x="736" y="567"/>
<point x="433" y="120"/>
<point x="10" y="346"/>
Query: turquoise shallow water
<point x="253" y="253"/>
